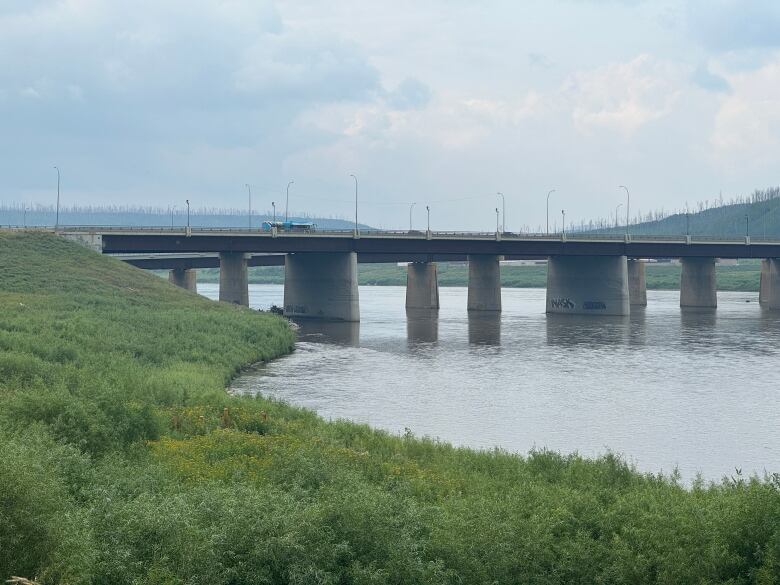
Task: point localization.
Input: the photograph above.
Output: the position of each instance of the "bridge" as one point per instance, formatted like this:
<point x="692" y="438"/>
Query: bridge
<point x="587" y="274"/>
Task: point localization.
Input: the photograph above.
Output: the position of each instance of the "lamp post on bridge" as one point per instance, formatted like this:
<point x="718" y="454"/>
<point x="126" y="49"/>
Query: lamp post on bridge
<point x="563" y="222"/>
<point x="249" y="190"/>
<point x="356" y="202"/>
<point x="188" y="214"/>
<point x="497" y="226"/>
<point x="503" y="208"/>
<point x="550" y="192"/>
<point x="428" y="210"/>
<point x="628" y="204"/>
<point x="173" y="210"/>
<point x="287" y="202"/>
<point x="57" y="217"/>
<point x="273" y="204"/>
<point x="747" y="226"/>
<point x="411" y="207"/>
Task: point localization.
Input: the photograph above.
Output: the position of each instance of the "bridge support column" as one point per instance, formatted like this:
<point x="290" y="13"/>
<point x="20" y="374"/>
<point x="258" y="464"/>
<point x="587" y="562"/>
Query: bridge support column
<point x="588" y="285"/>
<point x="637" y="283"/>
<point x="233" y="280"/>
<point x="697" y="283"/>
<point x="763" y="289"/>
<point x="321" y="285"/>
<point x="422" y="286"/>
<point x="185" y="278"/>
<point x="773" y="284"/>
<point x="484" y="283"/>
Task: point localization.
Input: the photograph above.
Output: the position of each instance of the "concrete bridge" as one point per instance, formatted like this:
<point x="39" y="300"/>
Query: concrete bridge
<point x="587" y="274"/>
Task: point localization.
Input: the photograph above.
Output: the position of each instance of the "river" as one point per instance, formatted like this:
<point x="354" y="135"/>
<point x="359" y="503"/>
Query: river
<point x="697" y="391"/>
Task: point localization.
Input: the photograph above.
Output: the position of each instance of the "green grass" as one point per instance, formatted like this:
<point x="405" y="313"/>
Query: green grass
<point x="123" y="461"/>
<point x="743" y="277"/>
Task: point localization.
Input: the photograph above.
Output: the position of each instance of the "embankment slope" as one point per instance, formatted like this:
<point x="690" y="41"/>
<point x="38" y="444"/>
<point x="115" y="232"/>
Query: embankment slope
<point x="124" y="461"/>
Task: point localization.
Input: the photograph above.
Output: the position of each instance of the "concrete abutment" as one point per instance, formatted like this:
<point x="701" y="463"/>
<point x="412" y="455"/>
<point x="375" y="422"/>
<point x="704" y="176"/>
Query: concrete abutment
<point x="186" y="278"/>
<point x="588" y="285"/>
<point x="422" y="286"/>
<point x="484" y="292"/>
<point x="321" y="285"/>
<point x="233" y="278"/>
<point x="697" y="283"/>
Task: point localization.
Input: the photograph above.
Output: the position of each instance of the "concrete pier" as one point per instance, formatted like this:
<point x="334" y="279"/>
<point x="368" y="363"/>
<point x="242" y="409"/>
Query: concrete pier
<point x="587" y="285"/>
<point x="697" y="283"/>
<point x="773" y="284"/>
<point x="484" y="283"/>
<point x="637" y="283"/>
<point x="321" y="285"/>
<point x="185" y="278"/>
<point x="422" y="286"/>
<point x="763" y="289"/>
<point x="233" y="279"/>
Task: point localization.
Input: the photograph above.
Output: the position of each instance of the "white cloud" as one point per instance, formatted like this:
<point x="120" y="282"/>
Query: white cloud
<point x="624" y="96"/>
<point x="747" y="125"/>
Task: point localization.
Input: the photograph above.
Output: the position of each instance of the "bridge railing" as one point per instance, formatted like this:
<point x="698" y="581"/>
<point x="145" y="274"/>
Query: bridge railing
<point x="411" y="234"/>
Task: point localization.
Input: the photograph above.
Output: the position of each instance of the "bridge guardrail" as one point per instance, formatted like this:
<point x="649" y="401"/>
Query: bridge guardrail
<point x="413" y="234"/>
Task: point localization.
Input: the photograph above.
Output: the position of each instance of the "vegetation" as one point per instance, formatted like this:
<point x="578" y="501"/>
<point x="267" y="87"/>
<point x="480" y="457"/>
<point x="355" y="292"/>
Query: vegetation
<point x="757" y="214"/>
<point x="744" y="276"/>
<point x="124" y="461"/>
<point x="22" y="214"/>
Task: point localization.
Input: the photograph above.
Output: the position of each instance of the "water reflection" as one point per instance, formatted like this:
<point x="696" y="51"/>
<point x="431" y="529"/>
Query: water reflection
<point x="484" y="327"/>
<point x="697" y="327"/>
<point x="587" y="330"/>
<point x="336" y="332"/>
<point x="637" y="332"/>
<point x="422" y="326"/>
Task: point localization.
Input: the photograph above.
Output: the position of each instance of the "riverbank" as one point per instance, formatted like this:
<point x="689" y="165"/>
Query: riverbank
<point x="744" y="277"/>
<point x="124" y="461"/>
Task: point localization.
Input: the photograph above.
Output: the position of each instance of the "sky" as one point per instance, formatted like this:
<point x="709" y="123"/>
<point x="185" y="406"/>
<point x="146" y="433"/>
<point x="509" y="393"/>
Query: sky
<point x="441" y="103"/>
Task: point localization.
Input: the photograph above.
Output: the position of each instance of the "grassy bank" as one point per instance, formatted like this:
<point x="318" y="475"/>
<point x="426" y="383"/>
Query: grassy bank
<point x="124" y="461"/>
<point x="743" y="277"/>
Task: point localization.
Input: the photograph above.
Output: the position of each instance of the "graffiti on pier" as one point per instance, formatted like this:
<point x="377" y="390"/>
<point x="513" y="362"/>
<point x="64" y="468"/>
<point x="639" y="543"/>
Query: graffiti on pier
<point x="562" y="303"/>
<point x="594" y="306"/>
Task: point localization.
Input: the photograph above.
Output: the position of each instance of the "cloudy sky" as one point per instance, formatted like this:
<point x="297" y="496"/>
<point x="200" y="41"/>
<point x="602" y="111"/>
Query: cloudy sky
<point x="441" y="102"/>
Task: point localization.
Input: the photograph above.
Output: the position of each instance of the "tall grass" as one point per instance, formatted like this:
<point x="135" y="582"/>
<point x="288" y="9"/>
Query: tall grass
<point x="124" y="461"/>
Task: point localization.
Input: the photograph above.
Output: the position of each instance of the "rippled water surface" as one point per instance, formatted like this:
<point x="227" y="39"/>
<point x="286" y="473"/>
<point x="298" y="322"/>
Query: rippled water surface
<point x="695" y="390"/>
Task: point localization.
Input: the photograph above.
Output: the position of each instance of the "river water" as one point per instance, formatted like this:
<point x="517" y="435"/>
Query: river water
<point x="694" y="390"/>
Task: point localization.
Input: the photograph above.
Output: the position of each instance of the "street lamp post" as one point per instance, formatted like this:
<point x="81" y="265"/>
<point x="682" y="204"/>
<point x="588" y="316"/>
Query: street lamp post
<point x="173" y="210"/>
<point x="497" y="226"/>
<point x="24" y="215"/>
<point x="188" y="214"/>
<point x="428" y="210"/>
<point x="747" y="225"/>
<point x="687" y="224"/>
<point x="356" y="202"/>
<point x="563" y="222"/>
<point x="287" y="203"/>
<point x="249" y="190"/>
<point x="503" y="209"/>
<point x="628" y="204"/>
<point x="411" y="207"/>
<point x="57" y="217"/>
<point x="550" y="192"/>
<point x="273" y="204"/>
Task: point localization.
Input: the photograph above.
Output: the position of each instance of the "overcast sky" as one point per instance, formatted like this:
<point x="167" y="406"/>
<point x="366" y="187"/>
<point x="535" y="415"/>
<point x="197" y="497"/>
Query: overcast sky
<point x="436" y="102"/>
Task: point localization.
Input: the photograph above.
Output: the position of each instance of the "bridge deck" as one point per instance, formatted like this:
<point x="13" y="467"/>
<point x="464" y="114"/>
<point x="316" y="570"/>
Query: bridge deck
<point x="405" y="244"/>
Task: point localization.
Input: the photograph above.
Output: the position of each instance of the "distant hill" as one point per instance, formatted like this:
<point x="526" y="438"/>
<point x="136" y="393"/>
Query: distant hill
<point x="717" y="218"/>
<point x="38" y="215"/>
